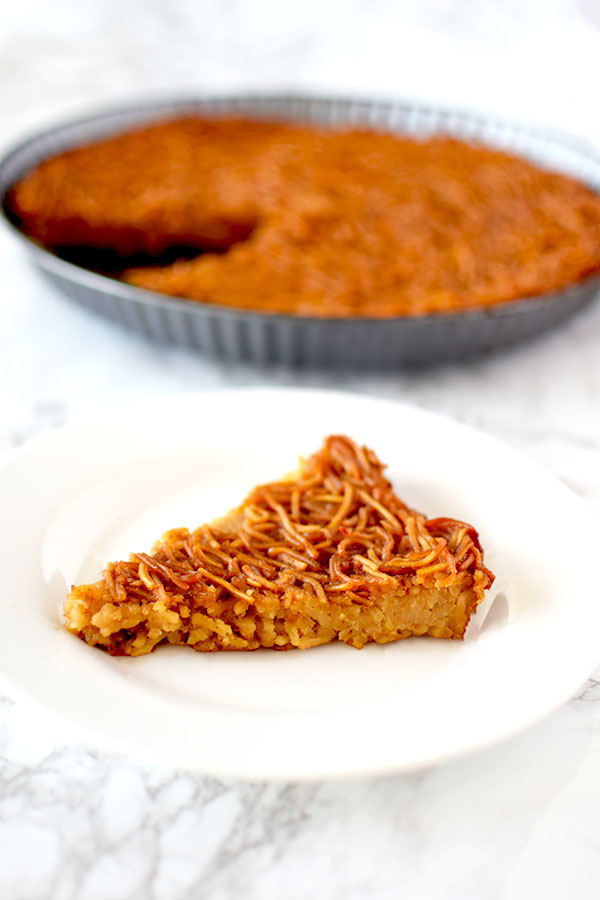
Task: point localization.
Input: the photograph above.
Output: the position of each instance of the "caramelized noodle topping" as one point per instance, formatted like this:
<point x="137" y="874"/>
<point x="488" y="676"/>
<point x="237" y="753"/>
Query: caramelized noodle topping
<point x="333" y="530"/>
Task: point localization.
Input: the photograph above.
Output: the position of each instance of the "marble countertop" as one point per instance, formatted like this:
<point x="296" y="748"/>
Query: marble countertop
<point x="517" y="821"/>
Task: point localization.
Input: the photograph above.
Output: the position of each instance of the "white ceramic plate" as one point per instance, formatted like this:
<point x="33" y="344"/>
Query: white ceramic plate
<point x="83" y="495"/>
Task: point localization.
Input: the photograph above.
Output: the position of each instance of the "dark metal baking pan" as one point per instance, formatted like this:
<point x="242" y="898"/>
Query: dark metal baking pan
<point x="302" y="341"/>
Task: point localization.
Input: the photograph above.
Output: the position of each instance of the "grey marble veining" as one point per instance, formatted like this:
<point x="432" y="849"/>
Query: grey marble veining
<point x="517" y="821"/>
<point x="100" y="826"/>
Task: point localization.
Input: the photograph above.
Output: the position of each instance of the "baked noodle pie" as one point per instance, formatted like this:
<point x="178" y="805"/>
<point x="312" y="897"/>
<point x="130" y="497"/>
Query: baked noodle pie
<point x="309" y="221"/>
<point x="328" y="554"/>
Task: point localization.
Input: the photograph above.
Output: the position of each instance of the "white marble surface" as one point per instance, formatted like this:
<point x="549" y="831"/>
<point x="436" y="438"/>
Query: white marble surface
<point x="518" y="821"/>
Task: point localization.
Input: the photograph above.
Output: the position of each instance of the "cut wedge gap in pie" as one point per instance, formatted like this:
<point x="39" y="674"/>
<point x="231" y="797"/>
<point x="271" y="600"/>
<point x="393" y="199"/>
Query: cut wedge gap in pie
<point x="328" y="554"/>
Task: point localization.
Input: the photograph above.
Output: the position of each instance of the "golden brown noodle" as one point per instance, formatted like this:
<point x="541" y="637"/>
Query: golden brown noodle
<point x="331" y="531"/>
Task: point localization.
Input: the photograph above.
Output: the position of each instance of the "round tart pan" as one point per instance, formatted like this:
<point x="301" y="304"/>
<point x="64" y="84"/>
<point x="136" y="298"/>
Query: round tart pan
<point x="297" y="341"/>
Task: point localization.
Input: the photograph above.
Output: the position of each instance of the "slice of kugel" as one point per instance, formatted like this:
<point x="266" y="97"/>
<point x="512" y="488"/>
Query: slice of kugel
<point x="328" y="554"/>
